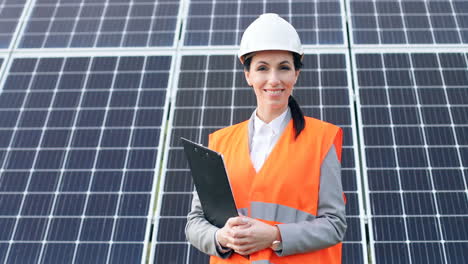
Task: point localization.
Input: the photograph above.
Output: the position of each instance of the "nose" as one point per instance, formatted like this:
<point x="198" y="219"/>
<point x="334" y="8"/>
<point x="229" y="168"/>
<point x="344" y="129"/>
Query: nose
<point x="274" y="79"/>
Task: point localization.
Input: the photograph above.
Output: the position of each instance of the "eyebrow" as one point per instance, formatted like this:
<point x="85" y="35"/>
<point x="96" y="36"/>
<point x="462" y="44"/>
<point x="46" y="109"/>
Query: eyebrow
<point x="264" y="62"/>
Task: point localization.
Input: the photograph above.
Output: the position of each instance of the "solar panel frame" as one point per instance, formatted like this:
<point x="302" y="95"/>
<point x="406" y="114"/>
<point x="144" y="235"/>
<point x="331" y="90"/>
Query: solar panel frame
<point x="406" y="247"/>
<point x="401" y="23"/>
<point x="16" y="20"/>
<point x="206" y="41"/>
<point x="190" y="254"/>
<point x="125" y="192"/>
<point x="88" y="30"/>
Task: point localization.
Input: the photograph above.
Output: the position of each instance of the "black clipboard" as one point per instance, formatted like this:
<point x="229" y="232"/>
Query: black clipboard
<point x="211" y="181"/>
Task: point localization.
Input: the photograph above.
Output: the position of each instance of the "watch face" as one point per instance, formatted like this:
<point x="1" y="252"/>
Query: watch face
<point x="277" y="245"/>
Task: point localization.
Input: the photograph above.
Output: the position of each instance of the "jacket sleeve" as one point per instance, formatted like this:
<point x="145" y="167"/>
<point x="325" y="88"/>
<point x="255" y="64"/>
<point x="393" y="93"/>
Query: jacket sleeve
<point x="201" y="233"/>
<point x="329" y="227"/>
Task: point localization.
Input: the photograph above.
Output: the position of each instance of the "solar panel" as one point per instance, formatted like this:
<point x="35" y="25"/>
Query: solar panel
<point x="212" y="93"/>
<point x="79" y="144"/>
<point x="413" y="109"/>
<point x="222" y="22"/>
<point x="409" y="22"/>
<point x="10" y="13"/>
<point x="119" y="23"/>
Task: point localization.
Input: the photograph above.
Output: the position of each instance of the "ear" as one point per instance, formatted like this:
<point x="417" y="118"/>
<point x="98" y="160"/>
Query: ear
<point x="247" y="77"/>
<point x="297" y="75"/>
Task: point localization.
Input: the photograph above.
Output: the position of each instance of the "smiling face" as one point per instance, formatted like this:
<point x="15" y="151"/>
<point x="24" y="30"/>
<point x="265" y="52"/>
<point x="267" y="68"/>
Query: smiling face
<point x="272" y="75"/>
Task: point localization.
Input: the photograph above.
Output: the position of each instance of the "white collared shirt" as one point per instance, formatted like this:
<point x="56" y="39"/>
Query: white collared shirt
<point x="263" y="137"/>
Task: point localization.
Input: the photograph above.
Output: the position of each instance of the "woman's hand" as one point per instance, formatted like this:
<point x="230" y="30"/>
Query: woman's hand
<point x="246" y="235"/>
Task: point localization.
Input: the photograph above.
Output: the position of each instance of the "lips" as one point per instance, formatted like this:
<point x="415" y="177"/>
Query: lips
<point x="274" y="92"/>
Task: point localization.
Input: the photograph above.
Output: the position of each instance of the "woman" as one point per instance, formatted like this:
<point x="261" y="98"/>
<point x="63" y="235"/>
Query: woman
<point x="284" y="168"/>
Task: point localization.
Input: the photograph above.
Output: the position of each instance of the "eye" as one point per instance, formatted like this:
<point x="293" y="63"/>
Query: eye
<point x="261" y="68"/>
<point x="285" y="68"/>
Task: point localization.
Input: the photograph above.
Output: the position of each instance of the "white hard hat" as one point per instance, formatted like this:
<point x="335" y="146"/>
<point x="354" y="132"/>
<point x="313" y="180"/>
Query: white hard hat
<point x="269" y="32"/>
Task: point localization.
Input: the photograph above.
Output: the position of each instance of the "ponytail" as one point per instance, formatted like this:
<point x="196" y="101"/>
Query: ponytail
<point x="297" y="115"/>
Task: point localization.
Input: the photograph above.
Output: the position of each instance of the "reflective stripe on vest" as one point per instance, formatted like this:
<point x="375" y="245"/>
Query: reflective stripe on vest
<point x="278" y="213"/>
<point x="243" y="211"/>
<point x="262" y="262"/>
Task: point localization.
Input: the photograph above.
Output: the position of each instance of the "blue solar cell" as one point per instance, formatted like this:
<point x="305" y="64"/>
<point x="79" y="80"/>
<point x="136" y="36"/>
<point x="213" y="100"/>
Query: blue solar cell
<point x="453" y="227"/>
<point x="166" y="253"/>
<point x="70" y="204"/>
<point x="37" y="204"/>
<point x="175" y="204"/>
<point x="13" y="181"/>
<point x="111" y="159"/>
<point x="419" y="204"/>
<point x="386" y="204"/>
<point x="100" y="81"/>
<point x="19" y="159"/>
<point x="96" y="229"/>
<point x="33" y="118"/>
<point x="101" y="204"/>
<point x="134" y="204"/>
<point x="171" y="229"/>
<point x="30" y="229"/>
<point x="354" y="231"/>
<point x="8" y="225"/>
<point x="412" y="157"/>
<point x="49" y="159"/>
<point x="90" y="118"/>
<point x="443" y="157"/>
<point x="380" y="157"/>
<point x="27" y="138"/>
<point x="448" y="179"/>
<point x="66" y="99"/>
<point x="85" y="138"/>
<point x="17" y="253"/>
<point x="138" y="181"/>
<point x="127" y="81"/>
<point x="115" y="137"/>
<point x="415" y="180"/>
<point x="106" y="181"/>
<point x="10" y="204"/>
<point x="408" y="135"/>
<point x="439" y="136"/>
<point x="388" y="229"/>
<point x="17" y="82"/>
<point x="58" y="252"/>
<point x="383" y="180"/>
<point x="71" y="81"/>
<point x="64" y="229"/>
<point x="91" y="252"/>
<point x="392" y="253"/>
<point x="378" y="136"/>
<point x="126" y="253"/>
<point x="75" y="181"/>
<point x="142" y="159"/>
<point x="145" y="138"/>
<point x="456" y="252"/>
<point x="452" y="203"/>
<point x="423" y="228"/>
<point x="80" y="159"/>
<point x="130" y="229"/>
<point x="55" y="138"/>
<point x="352" y="206"/>
<point x="427" y="252"/>
<point x="405" y="115"/>
<point x="123" y="98"/>
<point x="120" y="118"/>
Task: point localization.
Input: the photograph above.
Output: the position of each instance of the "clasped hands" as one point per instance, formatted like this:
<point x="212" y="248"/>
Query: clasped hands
<point x="247" y="235"/>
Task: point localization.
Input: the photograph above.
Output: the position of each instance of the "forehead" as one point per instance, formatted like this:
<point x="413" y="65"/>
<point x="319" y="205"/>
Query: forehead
<point x="272" y="56"/>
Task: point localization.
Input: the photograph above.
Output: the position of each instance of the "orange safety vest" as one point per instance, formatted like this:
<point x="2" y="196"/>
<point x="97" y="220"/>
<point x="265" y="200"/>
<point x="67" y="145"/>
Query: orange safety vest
<point x="289" y="178"/>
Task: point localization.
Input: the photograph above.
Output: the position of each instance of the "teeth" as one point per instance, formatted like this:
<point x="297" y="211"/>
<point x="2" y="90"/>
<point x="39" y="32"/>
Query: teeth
<point x="274" y="92"/>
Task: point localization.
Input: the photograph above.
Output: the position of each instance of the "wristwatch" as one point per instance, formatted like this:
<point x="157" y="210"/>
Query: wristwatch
<point x="276" y="245"/>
